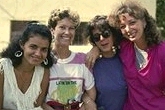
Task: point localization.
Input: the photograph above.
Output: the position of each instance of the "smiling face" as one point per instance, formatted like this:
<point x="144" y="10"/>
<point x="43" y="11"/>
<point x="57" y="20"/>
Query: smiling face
<point x="35" y="50"/>
<point x="64" y="32"/>
<point x="131" y="28"/>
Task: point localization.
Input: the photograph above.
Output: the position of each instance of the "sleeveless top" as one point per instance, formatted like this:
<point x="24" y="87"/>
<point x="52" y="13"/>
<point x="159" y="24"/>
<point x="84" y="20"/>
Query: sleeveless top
<point x="13" y="97"/>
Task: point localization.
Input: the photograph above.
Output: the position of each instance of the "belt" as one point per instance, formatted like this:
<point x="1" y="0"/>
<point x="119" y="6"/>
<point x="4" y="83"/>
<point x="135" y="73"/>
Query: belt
<point x="59" y="106"/>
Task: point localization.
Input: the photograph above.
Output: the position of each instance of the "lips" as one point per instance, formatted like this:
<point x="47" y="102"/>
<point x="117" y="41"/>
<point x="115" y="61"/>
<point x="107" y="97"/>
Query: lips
<point x="104" y="44"/>
<point x="67" y="38"/>
<point x="131" y="35"/>
<point x="36" y="59"/>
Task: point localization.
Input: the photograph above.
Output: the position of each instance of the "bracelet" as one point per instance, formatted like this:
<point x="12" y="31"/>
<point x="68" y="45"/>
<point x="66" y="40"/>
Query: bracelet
<point x="88" y="101"/>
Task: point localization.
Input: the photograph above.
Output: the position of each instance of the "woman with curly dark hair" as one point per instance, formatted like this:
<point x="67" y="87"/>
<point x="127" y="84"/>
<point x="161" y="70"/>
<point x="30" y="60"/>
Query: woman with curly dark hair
<point x="24" y="69"/>
<point x="108" y="71"/>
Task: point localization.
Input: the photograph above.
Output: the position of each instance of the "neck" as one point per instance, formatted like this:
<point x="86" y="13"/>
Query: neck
<point x="108" y="54"/>
<point x="61" y="53"/>
<point x="24" y="69"/>
<point x="141" y="43"/>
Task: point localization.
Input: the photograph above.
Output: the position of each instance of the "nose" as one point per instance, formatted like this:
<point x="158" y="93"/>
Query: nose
<point x="38" y="53"/>
<point x="127" y="28"/>
<point x="101" y="37"/>
<point x="67" y="30"/>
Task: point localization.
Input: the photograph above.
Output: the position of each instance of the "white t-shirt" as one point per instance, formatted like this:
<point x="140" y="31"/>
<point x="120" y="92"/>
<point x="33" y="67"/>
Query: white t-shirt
<point x="69" y="78"/>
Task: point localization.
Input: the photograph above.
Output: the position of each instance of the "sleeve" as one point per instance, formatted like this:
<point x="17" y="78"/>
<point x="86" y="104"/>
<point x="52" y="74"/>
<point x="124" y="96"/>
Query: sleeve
<point x="88" y="79"/>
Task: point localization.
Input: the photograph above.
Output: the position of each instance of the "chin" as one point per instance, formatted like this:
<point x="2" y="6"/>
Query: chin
<point x="132" y="39"/>
<point x="35" y="63"/>
<point x="106" y="50"/>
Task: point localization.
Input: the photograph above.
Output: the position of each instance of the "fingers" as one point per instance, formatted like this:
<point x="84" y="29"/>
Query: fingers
<point x="90" y="105"/>
<point x="91" y="57"/>
<point x="89" y="61"/>
<point x="82" y="107"/>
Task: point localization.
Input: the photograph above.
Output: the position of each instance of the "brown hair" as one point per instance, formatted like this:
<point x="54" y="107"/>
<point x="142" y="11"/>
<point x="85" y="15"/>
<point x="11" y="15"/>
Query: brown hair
<point x="59" y="14"/>
<point x="135" y="10"/>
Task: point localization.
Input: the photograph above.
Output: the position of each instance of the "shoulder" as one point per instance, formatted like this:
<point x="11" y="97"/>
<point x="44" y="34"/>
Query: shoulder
<point x="126" y="44"/>
<point x="160" y="49"/>
<point x="79" y="57"/>
<point x="162" y="45"/>
<point x="46" y="74"/>
<point x="5" y="62"/>
<point x="81" y="54"/>
<point x="158" y="52"/>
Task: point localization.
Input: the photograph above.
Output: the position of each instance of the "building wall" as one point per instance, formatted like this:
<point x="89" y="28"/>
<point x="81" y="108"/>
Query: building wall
<point x="40" y="10"/>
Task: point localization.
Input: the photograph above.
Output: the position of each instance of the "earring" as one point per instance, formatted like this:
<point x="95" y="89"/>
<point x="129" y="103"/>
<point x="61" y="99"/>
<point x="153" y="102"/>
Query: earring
<point x="114" y="49"/>
<point x="45" y="61"/>
<point x="18" y="54"/>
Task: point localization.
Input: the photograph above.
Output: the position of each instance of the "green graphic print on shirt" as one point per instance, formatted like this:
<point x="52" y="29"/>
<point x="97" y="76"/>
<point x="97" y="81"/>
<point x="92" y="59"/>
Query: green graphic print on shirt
<point x="66" y="91"/>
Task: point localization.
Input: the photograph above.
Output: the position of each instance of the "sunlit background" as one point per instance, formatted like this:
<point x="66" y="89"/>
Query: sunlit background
<point x="14" y="14"/>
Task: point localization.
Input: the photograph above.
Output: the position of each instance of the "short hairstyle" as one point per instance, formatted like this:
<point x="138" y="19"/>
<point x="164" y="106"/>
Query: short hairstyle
<point x="59" y="14"/>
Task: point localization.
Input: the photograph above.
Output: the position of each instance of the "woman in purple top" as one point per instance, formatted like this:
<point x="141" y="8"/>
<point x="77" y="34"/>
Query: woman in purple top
<point x="143" y="56"/>
<point x="108" y="71"/>
<point x="142" y="53"/>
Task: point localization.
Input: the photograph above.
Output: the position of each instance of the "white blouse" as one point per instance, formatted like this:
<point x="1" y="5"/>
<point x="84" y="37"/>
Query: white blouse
<point x="13" y="97"/>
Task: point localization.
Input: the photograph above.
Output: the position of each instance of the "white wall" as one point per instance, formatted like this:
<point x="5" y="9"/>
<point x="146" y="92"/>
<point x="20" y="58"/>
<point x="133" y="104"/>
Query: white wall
<point x="40" y="10"/>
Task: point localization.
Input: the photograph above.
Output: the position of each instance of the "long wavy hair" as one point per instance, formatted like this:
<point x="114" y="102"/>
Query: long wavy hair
<point x="30" y="30"/>
<point x="134" y="9"/>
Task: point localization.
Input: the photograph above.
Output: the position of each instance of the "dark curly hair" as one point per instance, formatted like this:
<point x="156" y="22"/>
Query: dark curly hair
<point x="101" y="22"/>
<point x="151" y="31"/>
<point x="32" y="28"/>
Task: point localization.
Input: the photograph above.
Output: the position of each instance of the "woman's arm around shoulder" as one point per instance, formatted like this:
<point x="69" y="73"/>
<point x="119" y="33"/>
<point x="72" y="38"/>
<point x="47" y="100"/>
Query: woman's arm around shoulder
<point x="91" y="57"/>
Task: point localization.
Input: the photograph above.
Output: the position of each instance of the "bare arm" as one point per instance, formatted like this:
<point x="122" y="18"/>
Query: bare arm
<point x="89" y="100"/>
<point x="91" y="57"/>
<point x="1" y="89"/>
<point x="47" y="107"/>
<point x="91" y="93"/>
<point x="44" y="87"/>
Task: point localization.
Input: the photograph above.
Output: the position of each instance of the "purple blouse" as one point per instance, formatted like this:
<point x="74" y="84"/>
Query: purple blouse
<point x="146" y="87"/>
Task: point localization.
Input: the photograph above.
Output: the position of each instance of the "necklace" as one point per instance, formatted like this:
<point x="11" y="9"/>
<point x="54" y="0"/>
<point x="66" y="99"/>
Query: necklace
<point x="23" y="82"/>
